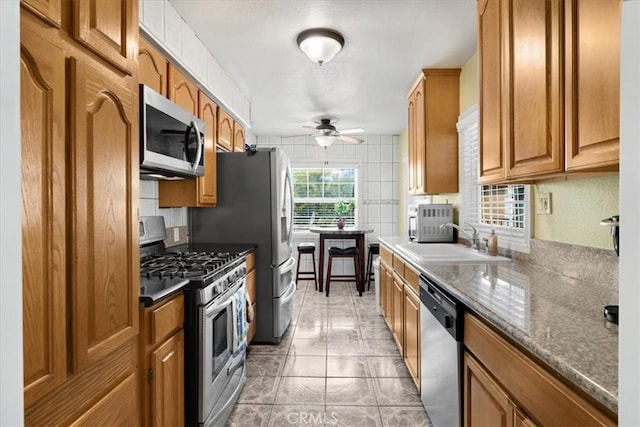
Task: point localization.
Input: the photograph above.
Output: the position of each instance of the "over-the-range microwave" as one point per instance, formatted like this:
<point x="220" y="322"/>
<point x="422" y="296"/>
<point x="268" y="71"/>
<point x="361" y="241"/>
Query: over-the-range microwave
<point x="171" y="139"/>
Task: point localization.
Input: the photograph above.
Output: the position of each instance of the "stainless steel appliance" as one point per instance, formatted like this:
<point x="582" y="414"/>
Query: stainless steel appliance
<point x="441" y="352"/>
<point x="255" y="204"/>
<point x="215" y="347"/>
<point x="171" y="139"/>
<point x="425" y="221"/>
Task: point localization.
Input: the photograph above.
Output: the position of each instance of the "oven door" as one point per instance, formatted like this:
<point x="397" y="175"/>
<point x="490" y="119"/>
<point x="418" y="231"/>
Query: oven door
<point x="215" y="350"/>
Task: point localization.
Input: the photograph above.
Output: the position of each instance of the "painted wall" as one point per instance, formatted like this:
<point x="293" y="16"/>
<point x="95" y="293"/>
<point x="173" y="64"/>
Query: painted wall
<point x="577" y="206"/>
<point x="11" y="401"/>
<point x="469" y="84"/>
<point x="629" y="345"/>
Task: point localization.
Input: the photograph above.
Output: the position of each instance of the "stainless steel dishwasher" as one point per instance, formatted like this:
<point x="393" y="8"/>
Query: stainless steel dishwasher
<point x="441" y="351"/>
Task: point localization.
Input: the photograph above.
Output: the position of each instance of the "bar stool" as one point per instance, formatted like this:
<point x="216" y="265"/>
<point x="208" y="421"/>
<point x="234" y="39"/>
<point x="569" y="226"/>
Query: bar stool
<point x="307" y="248"/>
<point x="351" y="252"/>
<point x="374" y="249"/>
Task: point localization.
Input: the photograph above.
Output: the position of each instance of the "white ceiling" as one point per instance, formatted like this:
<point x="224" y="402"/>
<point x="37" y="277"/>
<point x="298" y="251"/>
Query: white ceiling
<point x="364" y="86"/>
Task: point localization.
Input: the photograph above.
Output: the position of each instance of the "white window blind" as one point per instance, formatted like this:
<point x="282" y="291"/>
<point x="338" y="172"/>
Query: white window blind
<point x="316" y="190"/>
<point x="504" y="208"/>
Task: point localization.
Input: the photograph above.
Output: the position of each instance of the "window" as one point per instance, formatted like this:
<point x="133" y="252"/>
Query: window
<point x="504" y="208"/>
<point x="316" y="190"/>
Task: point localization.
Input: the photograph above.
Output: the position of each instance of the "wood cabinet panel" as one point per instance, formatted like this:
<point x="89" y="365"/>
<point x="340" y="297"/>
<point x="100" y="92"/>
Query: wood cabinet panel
<point x="167" y="389"/>
<point x="182" y="91"/>
<point x="485" y="403"/>
<point x="117" y="408"/>
<point x="238" y="137"/>
<point x="540" y="393"/>
<point x="225" y="130"/>
<point x="104" y="226"/>
<point x="251" y="285"/>
<point x="490" y="34"/>
<point x="592" y="85"/>
<point x="109" y="28"/>
<point x="42" y="95"/>
<point x="383" y="289"/>
<point x="398" y="312"/>
<point x="520" y="419"/>
<point x="166" y="319"/>
<point x="152" y="67"/>
<point x="533" y="81"/>
<point x="253" y="326"/>
<point x="50" y="11"/>
<point x="412" y="334"/>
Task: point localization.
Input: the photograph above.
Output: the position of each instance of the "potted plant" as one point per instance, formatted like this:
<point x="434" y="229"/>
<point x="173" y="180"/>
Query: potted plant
<point x="342" y="208"/>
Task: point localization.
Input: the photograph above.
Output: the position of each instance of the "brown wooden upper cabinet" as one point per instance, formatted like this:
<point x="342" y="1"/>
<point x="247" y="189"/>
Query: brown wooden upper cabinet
<point x="152" y="67"/>
<point x="225" y="130"/>
<point x="238" y="137"/>
<point x="50" y="11"/>
<point x="433" y="110"/>
<point x="182" y="91"/>
<point x="530" y="51"/>
<point x="109" y="29"/>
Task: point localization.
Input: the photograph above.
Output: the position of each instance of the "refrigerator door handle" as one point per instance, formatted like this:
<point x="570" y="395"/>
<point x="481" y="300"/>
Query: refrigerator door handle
<point x="288" y="266"/>
<point x="288" y="294"/>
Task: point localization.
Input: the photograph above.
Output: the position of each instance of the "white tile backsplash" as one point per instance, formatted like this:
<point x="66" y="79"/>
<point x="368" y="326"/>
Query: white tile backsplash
<point x="386" y="190"/>
<point x="373" y="153"/>
<point x="373" y="191"/>
<point x="148" y="207"/>
<point x="172" y="30"/>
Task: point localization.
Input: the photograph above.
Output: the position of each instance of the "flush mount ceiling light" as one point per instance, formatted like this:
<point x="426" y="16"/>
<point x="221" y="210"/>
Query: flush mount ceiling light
<point x="320" y="44"/>
<point x="326" y="140"/>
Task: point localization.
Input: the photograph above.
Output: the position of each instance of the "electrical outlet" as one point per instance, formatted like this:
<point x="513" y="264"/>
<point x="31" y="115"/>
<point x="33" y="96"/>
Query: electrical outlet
<point x="543" y="205"/>
<point x="176" y="234"/>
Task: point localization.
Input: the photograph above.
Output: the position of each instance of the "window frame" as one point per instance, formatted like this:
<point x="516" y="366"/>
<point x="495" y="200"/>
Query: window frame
<point x="509" y="238"/>
<point x="332" y="164"/>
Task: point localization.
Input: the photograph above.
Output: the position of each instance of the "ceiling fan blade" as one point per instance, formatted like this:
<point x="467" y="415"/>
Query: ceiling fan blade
<point x="350" y="139"/>
<point x="351" y="131"/>
<point x="309" y="127"/>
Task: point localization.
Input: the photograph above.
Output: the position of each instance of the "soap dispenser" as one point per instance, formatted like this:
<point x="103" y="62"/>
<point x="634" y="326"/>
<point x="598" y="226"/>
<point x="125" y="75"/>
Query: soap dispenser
<point x="492" y="243"/>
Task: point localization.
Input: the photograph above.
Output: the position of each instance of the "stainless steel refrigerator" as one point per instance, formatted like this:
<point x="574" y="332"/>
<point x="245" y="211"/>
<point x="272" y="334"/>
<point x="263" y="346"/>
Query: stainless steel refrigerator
<point x="255" y="205"/>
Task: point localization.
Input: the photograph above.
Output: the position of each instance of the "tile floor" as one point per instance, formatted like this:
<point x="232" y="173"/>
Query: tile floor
<point x="337" y="365"/>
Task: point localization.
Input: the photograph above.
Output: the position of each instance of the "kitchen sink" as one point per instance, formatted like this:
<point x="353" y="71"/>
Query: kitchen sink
<point x="446" y="253"/>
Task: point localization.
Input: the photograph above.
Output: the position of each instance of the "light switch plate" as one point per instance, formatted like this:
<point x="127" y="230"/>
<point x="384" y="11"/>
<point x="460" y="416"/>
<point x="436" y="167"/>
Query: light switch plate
<point x="176" y="234"/>
<point x="543" y="205"/>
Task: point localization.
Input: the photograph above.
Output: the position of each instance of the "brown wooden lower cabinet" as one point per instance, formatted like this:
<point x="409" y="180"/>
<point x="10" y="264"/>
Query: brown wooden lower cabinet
<point x="162" y="363"/>
<point x="497" y="374"/>
<point x="412" y="334"/>
<point x="398" y="312"/>
<point x="251" y="291"/>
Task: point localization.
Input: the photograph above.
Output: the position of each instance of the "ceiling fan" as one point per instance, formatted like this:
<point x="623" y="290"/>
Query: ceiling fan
<point x="327" y="134"/>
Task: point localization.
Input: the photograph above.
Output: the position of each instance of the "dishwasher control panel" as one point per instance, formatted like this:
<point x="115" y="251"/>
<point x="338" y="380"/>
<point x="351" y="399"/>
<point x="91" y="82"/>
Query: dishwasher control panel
<point x="445" y="309"/>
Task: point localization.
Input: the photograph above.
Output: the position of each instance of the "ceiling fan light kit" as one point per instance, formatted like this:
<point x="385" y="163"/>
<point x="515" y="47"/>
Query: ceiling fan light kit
<point x="320" y="44"/>
<point x="325" y="140"/>
<point x="327" y="134"/>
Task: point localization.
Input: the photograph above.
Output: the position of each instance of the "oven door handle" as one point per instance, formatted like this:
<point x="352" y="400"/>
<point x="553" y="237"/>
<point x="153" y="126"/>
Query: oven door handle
<point x="232" y="369"/>
<point x="215" y="309"/>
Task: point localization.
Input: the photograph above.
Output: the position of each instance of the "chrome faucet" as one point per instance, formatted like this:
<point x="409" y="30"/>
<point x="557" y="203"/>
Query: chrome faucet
<point x="474" y="238"/>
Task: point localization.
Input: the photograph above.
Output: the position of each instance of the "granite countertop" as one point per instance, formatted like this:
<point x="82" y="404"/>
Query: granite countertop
<point x="556" y="318"/>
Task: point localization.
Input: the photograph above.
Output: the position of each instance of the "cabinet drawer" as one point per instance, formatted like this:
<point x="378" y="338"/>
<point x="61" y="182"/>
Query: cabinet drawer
<point x="386" y="255"/>
<point x="398" y="265"/>
<point x="251" y="261"/>
<point x="166" y="319"/>
<point x="412" y="278"/>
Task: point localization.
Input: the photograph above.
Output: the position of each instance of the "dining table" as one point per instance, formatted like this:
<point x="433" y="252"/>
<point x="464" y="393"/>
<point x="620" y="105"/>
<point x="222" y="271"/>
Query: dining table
<point x="346" y="233"/>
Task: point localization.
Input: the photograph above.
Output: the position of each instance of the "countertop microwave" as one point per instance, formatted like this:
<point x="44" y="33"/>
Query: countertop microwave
<point x="171" y="139"/>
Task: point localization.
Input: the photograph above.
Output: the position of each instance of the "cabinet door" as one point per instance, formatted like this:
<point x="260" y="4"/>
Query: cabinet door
<point x="109" y="28"/>
<point x="104" y="214"/>
<point x="490" y="33"/>
<point x="42" y="94"/>
<point x="118" y="408"/>
<point x="207" y="184"/>
<point x="592" y="85"/>
<point x="485" y="404"/>
<point x="419" y="139"/>
<point x="521" y="419"/>
<point x="411" y="113"/>
<point x="382" y="291"/>
<point x="412" y="334"/>
<point x="182" y="91"/>
<point x="49" y="11"/>
<point x="225" y="130"/>
<point x="238" y="137"/>
<point x="167" y="382"/>
<point x="152" y="68"/>
<point x="398" y="312"/>
<point x="532" y="55"/>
